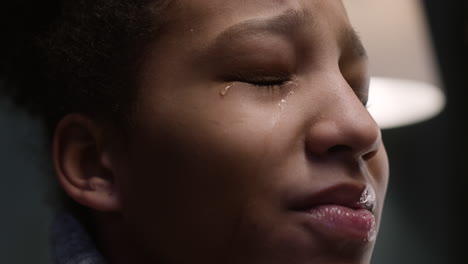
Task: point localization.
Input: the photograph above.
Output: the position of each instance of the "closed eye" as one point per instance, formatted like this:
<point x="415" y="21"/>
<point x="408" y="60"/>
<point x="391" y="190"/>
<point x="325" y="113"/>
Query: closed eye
<point x="264" y="81"/>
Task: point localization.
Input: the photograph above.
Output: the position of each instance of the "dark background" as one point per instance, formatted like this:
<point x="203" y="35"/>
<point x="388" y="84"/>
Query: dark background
<point x="423" y="219"/>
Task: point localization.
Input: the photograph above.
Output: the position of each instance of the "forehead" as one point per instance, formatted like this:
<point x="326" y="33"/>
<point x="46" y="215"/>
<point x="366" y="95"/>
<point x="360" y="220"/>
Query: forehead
<point x="210" y="17"/>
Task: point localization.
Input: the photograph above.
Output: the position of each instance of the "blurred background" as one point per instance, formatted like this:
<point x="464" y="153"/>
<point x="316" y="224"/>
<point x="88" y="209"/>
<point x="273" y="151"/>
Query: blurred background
<point x="427" y="196"/>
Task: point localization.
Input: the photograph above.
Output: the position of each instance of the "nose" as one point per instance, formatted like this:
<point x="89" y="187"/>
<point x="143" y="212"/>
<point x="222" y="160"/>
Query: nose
<point x="342" y="127"/>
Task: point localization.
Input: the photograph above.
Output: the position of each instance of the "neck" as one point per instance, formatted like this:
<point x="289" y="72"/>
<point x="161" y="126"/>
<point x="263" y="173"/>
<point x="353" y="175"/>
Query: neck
<point x="115" y="242"/>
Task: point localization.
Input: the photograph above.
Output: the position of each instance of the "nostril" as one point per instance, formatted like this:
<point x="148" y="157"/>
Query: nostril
<point x="370" y="155"/>
<point x="347" y="149"/>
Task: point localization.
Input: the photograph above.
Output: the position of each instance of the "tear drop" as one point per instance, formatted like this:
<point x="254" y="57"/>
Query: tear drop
<point x="225" y="90"/>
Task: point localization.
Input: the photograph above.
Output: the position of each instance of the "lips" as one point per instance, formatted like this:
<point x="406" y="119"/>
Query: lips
<point x="343" y="211"/>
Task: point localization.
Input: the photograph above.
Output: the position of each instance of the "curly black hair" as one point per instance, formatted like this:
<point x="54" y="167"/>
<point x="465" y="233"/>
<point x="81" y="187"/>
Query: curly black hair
<point x="75" y="56"/>
<point x="64" y="56"/>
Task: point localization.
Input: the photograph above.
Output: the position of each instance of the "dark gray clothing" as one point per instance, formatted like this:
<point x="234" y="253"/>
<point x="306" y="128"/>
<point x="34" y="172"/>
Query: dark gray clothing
<point x="70" y="243"/>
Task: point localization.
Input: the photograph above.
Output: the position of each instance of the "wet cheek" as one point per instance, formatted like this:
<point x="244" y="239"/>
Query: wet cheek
<point x="201" y="169"/>
<point x="203" y="154"/>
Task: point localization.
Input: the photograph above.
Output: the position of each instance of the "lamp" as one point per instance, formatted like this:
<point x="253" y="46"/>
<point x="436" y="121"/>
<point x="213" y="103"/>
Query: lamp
<point x="405" y="85"/>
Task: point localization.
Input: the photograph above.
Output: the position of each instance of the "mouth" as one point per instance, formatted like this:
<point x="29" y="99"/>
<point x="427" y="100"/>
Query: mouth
<point x="343" y="211"/>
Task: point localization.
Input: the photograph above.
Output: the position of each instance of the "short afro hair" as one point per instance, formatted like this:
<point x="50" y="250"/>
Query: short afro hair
<point x="76" y="56"/>
<point x="64" y="56"/>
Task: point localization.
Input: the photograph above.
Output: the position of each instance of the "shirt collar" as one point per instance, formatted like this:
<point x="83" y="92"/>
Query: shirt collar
<point x="71" y="243"/>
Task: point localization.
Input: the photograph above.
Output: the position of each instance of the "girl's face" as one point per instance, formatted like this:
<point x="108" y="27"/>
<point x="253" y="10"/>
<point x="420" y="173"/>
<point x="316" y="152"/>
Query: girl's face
<point x="252" y="142"/>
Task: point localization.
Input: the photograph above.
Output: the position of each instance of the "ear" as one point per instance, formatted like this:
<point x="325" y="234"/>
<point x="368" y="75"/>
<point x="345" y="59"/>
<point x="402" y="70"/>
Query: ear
<point x="83" y="164"/>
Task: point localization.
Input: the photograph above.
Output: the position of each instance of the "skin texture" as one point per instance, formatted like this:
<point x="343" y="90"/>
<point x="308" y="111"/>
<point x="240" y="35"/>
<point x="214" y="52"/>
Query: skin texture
<point x="205" y="175"/>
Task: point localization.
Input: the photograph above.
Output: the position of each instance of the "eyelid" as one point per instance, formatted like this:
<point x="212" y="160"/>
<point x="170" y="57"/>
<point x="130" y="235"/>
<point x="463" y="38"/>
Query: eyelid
<point x="263" y="78"/>
<point x="365" y="103"/>
<point x="266" y="82"/>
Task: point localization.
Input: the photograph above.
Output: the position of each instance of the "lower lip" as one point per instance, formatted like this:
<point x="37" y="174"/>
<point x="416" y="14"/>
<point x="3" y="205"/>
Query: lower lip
<point x="343" y="222"/>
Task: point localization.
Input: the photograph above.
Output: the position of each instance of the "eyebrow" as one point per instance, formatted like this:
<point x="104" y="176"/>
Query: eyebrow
<point x="281" y="24"/>
<point x="285" y="24"/>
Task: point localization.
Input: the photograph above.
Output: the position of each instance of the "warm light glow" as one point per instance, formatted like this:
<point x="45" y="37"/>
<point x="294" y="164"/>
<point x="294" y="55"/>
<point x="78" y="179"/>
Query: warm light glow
<point x="396" y="36"/>
<point x="397" y="102"/>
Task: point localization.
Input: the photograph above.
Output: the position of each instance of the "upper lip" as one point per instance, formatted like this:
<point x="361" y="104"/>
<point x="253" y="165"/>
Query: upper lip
<point x="346" y="194"/>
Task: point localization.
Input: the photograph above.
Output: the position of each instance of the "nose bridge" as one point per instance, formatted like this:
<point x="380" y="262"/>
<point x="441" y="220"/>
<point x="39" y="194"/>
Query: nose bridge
<point x="342" y="124"/>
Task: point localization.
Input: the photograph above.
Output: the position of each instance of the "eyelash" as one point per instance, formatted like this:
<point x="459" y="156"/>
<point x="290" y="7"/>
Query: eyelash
<point x="366" y="105"/>
<point x="264" y="82"/>
<point x="272" y="83"/>
<point x="269" y="85"/>
<point x="364" y="100"/>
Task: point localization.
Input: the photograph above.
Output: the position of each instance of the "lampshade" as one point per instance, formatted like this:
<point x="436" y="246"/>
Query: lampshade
<point x="405" y="85"/>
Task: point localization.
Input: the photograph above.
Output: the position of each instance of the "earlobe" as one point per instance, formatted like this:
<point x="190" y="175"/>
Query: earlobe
<point x="82" y="165"/>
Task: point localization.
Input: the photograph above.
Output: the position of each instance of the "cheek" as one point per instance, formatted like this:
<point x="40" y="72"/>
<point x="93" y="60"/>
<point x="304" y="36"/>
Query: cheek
<point x="201" y="129"/>
<point x="193" y="170"/>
